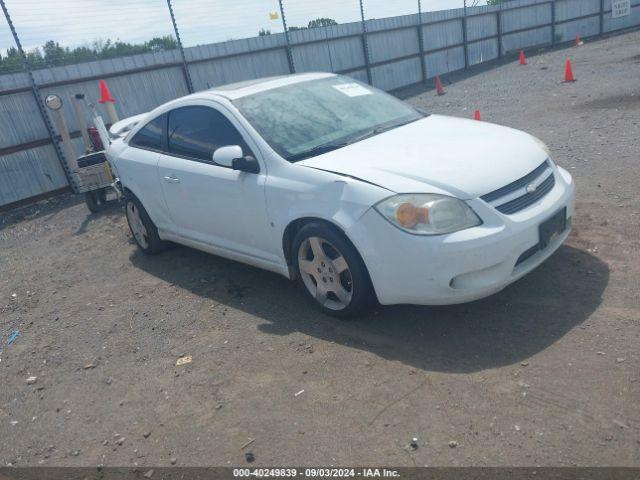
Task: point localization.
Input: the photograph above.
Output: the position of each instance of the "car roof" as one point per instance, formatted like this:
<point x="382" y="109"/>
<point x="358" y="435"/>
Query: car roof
<point x="237" y="90"/>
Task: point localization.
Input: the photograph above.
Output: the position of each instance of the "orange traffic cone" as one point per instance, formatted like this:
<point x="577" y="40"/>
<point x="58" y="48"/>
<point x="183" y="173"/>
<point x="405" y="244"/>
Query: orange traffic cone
<point x="105" y="94"/>
<point x="439" y="87"/>
<point x="579" y="41"/>
<point x="477" y="116"/>
<point x="523" y="60"/>
<point x="568" y="72"/>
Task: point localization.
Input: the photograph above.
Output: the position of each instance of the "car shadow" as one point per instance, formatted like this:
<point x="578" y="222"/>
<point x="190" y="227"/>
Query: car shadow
<point x="509" y="327"/>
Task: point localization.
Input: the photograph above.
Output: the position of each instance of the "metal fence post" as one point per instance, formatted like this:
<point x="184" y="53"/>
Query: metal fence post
<point x="423" y="62"/>
<point x="553" y="23"/>
<point x="38" y="98"/>
<point x="499" y="30"/>
<point x="464" y="35"/>
<point x="185" y="65"/>
<point x="365" y="44"/>
<point x="292" y="67"/>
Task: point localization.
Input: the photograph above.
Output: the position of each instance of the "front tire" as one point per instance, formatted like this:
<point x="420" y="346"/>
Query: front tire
<point x="331" y="271"/>
<point x="142" y="227"/>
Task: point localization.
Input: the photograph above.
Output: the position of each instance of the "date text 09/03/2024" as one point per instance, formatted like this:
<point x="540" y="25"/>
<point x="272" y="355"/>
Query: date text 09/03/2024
<point x="316" y="472"/>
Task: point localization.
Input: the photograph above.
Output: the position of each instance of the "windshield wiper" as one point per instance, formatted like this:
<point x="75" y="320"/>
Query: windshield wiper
<point x="319" y="150"/>
<point x="328" y="147"/>
<point x="378" y="130"/>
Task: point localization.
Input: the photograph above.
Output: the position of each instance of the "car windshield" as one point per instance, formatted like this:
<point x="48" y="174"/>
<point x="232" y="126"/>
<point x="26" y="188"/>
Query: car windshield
<point x="313" y="117"/>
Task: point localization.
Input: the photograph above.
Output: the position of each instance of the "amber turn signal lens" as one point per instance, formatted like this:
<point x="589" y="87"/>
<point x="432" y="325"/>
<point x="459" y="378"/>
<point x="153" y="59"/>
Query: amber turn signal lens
<point x="406" y="215"/>
<point x="409" y="216"/>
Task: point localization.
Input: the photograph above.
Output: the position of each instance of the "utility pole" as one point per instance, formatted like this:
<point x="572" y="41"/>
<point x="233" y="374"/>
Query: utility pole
<point x="464" y="35"/>
<point x="423" y="61"/>
<point x="37" y="97"/>
<point x="292" y="67"/>
<point x="185" y="66"/>
<point x="365" y="44"/>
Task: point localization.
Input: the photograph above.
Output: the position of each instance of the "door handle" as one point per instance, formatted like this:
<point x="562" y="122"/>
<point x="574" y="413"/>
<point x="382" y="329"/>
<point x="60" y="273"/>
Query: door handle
<point x="169" y="179"/>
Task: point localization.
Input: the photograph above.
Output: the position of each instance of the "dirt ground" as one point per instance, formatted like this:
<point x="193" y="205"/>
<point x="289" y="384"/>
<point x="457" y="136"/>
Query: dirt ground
<point x="544" y="373"/>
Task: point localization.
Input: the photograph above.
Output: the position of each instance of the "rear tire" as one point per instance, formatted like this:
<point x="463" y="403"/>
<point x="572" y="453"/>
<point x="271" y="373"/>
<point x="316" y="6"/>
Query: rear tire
<point x="331" y="271"/>
<point x="142" y="227"/>
<point x="95" y="199"/>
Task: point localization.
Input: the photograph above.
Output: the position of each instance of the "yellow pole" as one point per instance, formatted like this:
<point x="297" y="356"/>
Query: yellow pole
<point x="82" y="124"/>
<point x="111" y="111"/>
<point x="66" y="140"/>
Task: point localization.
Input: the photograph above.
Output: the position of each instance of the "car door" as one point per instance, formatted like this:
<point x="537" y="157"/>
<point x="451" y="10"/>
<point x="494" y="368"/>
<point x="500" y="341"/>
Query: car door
<point x="137" y="168"/>
<point x="207" y="202"/>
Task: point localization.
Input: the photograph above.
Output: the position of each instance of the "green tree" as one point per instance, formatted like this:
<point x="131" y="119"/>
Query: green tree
<point x="53" y="54"/>
<point x="11" y="62"/>
<point x="322" y="22"/>
<point x="34" y="57"/>
<point x="162" y="43"/>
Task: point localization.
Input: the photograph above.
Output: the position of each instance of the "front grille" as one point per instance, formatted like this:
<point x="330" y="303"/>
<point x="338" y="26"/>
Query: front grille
<point x="527" y="198"/>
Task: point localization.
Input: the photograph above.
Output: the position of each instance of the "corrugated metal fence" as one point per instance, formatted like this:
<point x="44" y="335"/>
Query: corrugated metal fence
<point x="390" y="53"/>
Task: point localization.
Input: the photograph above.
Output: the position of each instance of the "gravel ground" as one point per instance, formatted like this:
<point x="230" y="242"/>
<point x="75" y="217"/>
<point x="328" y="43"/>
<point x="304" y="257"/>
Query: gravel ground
<point x="544" y="373"/>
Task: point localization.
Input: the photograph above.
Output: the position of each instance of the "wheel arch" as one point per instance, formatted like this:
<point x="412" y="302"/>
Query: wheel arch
<point x="128" y="191"/>
<point x="151" y="214"/>
<point x="294" y="227"/>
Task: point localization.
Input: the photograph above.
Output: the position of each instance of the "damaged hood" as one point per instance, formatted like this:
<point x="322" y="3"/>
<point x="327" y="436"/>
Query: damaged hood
<point x="438" y="154"/>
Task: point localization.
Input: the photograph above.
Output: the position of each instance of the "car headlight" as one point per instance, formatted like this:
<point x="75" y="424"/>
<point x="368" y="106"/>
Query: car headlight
<point x="428" y="213"/>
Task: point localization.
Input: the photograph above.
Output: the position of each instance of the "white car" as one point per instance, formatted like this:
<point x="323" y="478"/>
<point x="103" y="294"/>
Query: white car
<point x="352" y="192"/>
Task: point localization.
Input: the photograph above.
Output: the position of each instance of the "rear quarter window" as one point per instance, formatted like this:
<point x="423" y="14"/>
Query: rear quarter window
<point x="150" y="137"/>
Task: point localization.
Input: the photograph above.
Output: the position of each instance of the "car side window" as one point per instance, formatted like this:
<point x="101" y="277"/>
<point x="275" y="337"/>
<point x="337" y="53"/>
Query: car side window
<point x="149" y="137"/>
<point x="196" y="132"/>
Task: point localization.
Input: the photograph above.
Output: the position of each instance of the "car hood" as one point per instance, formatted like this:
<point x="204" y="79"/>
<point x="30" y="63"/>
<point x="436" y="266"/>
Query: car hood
<point x="438" y="154"/>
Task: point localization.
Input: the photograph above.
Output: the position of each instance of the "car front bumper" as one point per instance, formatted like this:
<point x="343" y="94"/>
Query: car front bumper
<point x="461" y="266"/>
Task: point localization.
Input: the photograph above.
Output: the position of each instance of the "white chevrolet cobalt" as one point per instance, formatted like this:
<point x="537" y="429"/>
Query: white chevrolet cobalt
<point x="352" y="192"/>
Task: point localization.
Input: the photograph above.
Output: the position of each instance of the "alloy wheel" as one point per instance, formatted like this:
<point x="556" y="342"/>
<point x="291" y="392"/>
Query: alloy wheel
<point x="137" y="227"/>
<point x="325" y="273"/>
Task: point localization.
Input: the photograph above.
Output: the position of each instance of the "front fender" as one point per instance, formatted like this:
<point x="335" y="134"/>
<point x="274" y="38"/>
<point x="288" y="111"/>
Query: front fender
<point x="310" y="193"/>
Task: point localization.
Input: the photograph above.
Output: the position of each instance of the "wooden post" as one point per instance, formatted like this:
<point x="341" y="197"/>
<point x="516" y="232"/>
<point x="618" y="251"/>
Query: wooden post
<point x="80" y="118"/>
<point x="61" y="125"/>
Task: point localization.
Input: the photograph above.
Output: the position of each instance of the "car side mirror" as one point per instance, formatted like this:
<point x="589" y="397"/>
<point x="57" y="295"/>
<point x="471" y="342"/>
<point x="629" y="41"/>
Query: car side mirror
<point x="225" y="156"/>
<point x="246" y="164"/>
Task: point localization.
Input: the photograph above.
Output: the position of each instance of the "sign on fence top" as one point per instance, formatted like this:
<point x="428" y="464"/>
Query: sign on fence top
<point x="620" y="8"/>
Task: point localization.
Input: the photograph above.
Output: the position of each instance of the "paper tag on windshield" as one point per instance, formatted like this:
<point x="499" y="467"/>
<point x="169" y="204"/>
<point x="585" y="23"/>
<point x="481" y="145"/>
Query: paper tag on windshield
<point x="352" y="89"/>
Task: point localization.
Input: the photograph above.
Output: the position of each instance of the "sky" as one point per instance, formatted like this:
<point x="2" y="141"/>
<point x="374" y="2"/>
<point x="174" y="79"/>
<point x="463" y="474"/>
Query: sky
<point x="80" y="22"/>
